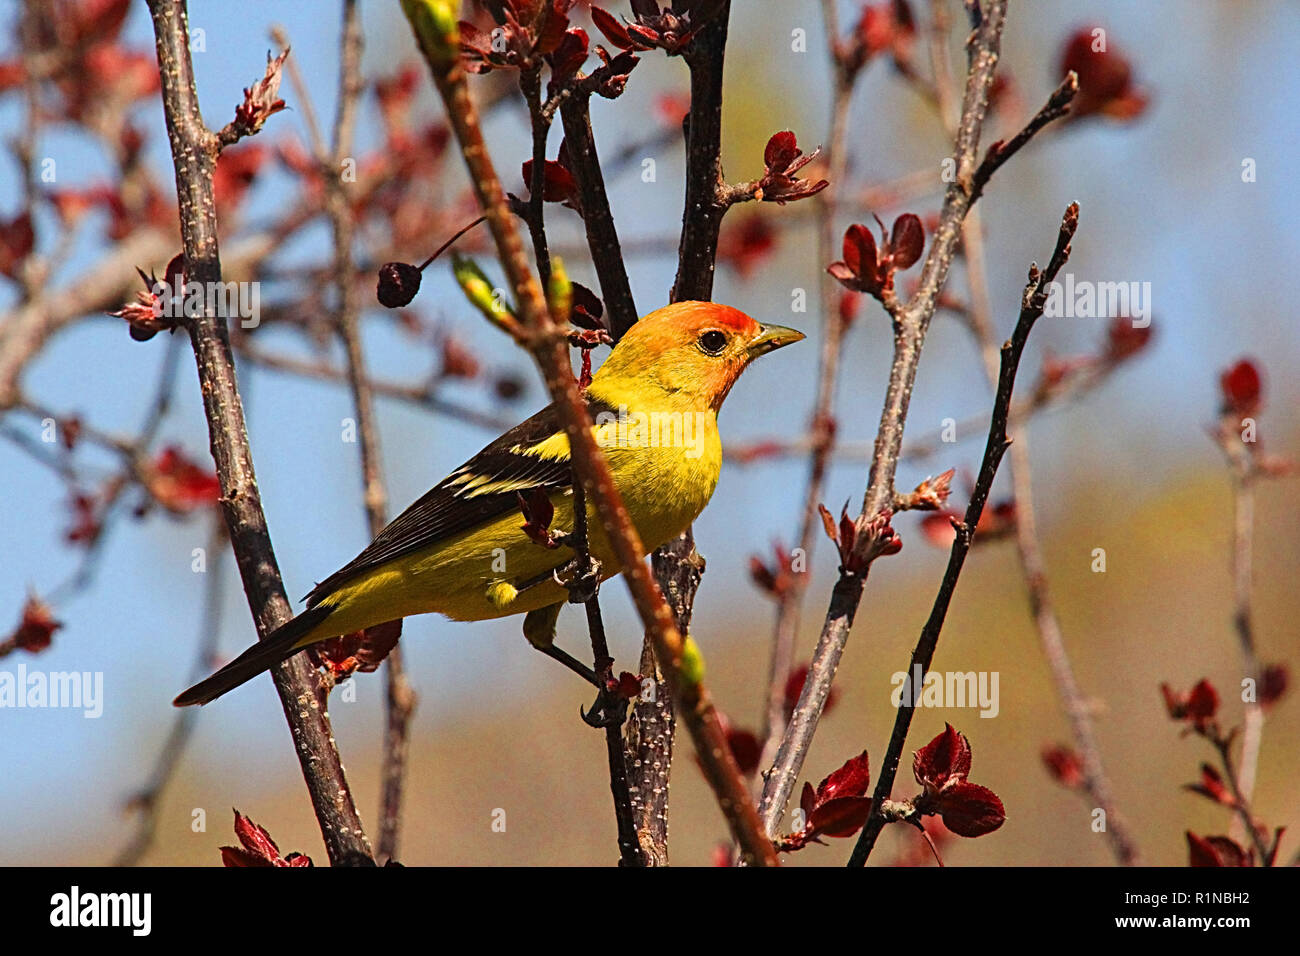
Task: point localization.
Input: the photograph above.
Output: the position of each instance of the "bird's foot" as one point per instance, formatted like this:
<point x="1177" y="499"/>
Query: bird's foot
<point x="609" y="709"/>
<point x="584" y="585"/>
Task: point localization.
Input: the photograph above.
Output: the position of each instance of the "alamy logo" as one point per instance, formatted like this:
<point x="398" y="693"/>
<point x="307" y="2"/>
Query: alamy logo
<point x="1099" y="300"/>
<point x="231" y="299"/>
<point x="57" y="689"/>
<point x="74" y="908"/>
<point x="947" y="689"/>
<point x="628" y="429"/>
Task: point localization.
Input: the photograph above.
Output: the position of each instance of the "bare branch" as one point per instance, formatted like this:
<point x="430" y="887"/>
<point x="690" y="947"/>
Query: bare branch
<point x="911" y="322"/>
<point x="703" y="211"/>
<point x="194" y="151"/>
<point x="1032" y="304"/>
<point x="602" y="236"/>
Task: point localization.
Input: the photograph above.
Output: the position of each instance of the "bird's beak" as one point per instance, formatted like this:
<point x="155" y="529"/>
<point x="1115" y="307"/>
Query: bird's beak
<point x="770" y="338"/>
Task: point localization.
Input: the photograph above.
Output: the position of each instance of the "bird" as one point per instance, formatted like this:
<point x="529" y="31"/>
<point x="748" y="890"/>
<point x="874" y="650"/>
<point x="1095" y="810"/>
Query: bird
<point x="462" y="550"/>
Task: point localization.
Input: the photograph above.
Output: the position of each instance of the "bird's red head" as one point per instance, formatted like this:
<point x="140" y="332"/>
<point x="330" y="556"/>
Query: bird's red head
<point x="692" y="351"/>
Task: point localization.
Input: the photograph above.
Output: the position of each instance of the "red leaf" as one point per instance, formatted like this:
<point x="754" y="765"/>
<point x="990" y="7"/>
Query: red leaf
<point x="614" y="31"/>
<point x="236" y="856"/>
<point x="538" y="512"/>
<point x="258" y="848"/>
<point x="1242" y="388"/>
<point x="629" y="685"/>
<point x="555" y="22"/>
<point x="17" y="239"/>
<point x="558" y="184"/>
<point x="1201" y="852"/>
<point x="1124" y="339"/>
<point x="761" y="575"/>
<point x="96" y="21"/>
<point x="181" y="485"/>
<point x="1215" y="851"/>
<point x="570" y="55"/>
<point x="850" y="780"/>
<point x="781" y="150"/>
<point x="1105" y="76"/>
<point x="937" y="528"/>
<point x="262" y="99"/>
<point x="1212" y="787"/>
<point x="35" y="629"/>
<point x="860" y="250"/>
<point x="587" y="308"/>
<point x="745" y="749"/>
<point x="843" y="272"/>
<point x="1273" y="683"/>
<point x="255" y="838"/>
<point x="907" y="241"/>
<point x="807" y="800"/>
<point x="945" y="756"/>
<point x="1065" y="766"/>
<point x="236" y="170"/>
<point x="828" y="522"/>
<point x="745" y="244"/>
<point x="1203" y="702"/>
<point x="970" y="810"/>
<point x="1199" y="705"/>
<point x="841" y="817"/>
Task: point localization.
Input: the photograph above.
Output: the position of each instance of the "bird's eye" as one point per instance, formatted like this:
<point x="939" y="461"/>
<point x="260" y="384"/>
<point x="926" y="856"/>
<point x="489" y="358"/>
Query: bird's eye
<point x="713" y="342"/>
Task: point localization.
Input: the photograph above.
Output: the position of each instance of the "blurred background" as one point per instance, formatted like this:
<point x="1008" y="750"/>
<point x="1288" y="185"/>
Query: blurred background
<point x="1129" y="466"/>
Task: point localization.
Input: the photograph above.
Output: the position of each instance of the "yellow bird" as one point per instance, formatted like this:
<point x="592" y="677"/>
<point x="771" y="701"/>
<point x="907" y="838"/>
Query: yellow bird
<point x="461" y="550"/>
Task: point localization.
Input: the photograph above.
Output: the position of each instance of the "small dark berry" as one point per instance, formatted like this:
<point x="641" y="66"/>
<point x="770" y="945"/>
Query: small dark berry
<point x="509" y="388"/>
<point x="398" y="284"/>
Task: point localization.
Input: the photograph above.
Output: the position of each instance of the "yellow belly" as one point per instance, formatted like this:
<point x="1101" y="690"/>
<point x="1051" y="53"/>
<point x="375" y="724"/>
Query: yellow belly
<point x="663" y="487"/>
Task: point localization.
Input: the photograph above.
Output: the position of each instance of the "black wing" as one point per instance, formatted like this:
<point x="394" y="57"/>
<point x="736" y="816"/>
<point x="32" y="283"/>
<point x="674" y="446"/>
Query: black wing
<point x="451" y="507"/>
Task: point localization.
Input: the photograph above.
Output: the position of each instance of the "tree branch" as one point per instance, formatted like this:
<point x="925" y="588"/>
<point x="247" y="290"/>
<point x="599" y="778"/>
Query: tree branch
<point x="602" y="236"/>
<point x="911" y="322"/>
<point x="821" y="425"/>
<point x="194" y="153"/>
<point x="979" y="320"/>
<point x="1031" y="309"/>
<point x="703" y="211"/>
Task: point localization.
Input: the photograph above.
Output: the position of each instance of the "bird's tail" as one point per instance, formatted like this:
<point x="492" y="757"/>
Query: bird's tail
<point x="265" y="654"/>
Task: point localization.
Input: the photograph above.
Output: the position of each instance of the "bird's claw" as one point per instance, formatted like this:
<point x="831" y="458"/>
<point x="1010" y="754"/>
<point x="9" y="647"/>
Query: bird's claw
<point x="585" y="583"/>
<point x="609" y="710"/>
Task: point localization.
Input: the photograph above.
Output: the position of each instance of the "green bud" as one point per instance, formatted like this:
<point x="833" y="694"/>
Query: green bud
<point x="436" y="28"/>
<point x="692" y="661"/>
<point x="559" y="292"/>
<point x="474" y="283"/>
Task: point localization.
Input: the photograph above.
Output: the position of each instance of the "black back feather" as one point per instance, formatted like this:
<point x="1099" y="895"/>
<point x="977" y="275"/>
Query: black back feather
<point x="448" y="510"/>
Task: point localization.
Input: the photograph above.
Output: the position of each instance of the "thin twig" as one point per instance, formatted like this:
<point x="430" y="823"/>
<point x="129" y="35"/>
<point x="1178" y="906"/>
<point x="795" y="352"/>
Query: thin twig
<point x="1240" y="799"/>
<point x="399" y="697"/>
<point x="821" y="425"/>
<point x="530" y="81"/>
<point x="1031" y="309"/>
<point x="597" y="217"/>
<point x="703" y="210"/>
<point x="1033" y="568"/>
<point x="147" y="801"/>
<point x="423" y="396"/>
<point x="629" y="845"/>
<point x="1057" y="105"/>
<point x="1244" y="473"/>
